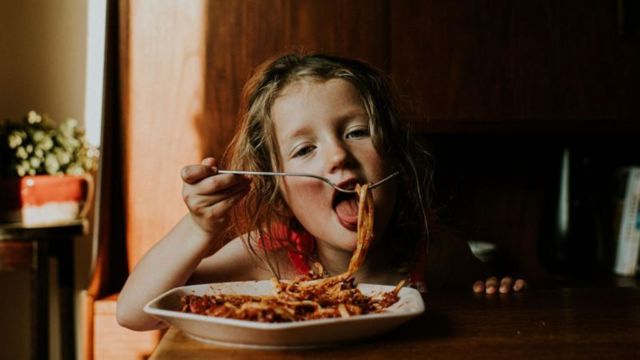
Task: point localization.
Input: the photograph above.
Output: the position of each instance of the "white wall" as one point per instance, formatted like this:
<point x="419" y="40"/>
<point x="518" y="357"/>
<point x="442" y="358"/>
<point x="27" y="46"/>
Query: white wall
<point x="42" y="65"/>
<point x="43" y="51"/>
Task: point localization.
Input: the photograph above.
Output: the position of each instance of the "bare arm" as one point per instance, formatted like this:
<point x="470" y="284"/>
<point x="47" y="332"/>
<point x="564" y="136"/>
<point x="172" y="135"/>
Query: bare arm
<point x="175" y="257"/>
<point x="180" y="257"/>
<point x="167" y="265"/>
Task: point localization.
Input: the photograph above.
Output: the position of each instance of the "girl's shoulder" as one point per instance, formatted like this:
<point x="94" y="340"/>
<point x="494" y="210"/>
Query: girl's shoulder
<point x="235" y="261"/>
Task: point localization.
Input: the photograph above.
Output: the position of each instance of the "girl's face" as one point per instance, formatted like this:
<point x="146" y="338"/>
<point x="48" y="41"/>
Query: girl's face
<point x="322" y="128"/>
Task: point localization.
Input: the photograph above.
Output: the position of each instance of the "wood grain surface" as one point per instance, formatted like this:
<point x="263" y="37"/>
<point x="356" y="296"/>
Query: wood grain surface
<point x="538" y="324"/>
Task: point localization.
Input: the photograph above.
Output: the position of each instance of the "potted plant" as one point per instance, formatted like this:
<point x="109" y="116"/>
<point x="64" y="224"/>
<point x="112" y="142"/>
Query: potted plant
<point x="45" y="170"/>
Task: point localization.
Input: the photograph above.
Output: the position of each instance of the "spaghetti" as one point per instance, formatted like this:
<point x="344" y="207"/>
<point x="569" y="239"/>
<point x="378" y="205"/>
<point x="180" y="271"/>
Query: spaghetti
<point x="311" y="296"/>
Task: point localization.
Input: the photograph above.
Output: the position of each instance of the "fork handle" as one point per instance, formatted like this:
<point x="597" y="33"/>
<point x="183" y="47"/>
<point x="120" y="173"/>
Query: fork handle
<point x="244" y="172"/>
<point x="325" y="180"/>
<point x="270" y="173"/>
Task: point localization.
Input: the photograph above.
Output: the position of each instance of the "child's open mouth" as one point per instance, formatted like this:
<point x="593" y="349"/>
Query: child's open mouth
<point x="346" y="208"/>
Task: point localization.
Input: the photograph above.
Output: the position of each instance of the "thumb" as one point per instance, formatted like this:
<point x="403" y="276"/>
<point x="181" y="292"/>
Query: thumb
<point x="209" y="161"/>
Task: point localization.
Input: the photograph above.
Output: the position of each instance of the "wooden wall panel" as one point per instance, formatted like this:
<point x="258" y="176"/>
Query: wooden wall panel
<point x="163" y="97"/>
<point x="242" y="34"/>
<point x="538" y="63"/>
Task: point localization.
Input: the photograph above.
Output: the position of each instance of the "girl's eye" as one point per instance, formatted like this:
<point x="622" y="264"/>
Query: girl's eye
<point x="358" y="133"/>
<point x="303" y="151"/>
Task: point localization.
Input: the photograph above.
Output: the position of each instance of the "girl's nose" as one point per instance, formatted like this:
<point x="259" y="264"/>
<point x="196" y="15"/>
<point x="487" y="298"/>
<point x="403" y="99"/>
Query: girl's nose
<point x="338" y="157"/>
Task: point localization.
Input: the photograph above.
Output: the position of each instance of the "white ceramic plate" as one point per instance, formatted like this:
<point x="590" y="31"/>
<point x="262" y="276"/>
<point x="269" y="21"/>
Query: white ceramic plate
<point x="243" y="333"/>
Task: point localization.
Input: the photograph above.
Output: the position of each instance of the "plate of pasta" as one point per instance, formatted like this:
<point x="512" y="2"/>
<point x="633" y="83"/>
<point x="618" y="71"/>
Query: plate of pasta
<point x="312" y="310"/>
<point x="204" y="321"/>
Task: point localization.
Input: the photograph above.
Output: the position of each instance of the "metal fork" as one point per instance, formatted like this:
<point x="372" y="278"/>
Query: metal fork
<point x="324" y="179"/>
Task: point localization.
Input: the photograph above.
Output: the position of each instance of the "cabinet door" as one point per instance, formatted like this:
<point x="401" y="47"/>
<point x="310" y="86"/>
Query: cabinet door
<point x="477" y="65"/>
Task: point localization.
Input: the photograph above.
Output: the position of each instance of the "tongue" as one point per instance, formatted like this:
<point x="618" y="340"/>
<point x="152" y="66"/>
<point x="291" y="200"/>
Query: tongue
<point x="347" y="211"/>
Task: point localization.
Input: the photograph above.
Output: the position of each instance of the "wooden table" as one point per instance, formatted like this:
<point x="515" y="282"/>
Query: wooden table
<point x="30" y="248"/>
<point x="594" y="323"/>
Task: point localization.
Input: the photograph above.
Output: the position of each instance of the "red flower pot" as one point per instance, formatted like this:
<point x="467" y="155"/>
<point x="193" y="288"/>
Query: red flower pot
<point x="45" y="199"/>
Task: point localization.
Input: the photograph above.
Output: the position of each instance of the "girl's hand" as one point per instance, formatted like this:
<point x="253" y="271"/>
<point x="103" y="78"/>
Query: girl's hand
<point x="209" y="195"/>
<point x="490" y="286"/>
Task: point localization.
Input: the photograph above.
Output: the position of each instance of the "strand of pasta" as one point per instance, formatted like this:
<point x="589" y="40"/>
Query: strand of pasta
<point x="364" y="235"/>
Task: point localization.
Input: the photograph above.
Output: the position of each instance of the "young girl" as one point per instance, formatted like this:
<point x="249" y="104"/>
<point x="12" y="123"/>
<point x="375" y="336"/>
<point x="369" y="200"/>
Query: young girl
<point x="320" y="115"/>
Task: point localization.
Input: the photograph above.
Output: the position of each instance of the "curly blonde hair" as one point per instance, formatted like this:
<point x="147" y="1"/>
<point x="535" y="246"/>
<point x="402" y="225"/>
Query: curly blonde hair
<point x="254" y="147"/>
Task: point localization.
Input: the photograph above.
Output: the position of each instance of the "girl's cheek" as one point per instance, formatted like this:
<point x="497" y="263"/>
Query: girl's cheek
<point x="304" y="191"/>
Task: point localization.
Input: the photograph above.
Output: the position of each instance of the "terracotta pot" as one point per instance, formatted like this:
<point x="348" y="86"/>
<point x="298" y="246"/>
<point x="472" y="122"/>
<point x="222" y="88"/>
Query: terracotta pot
<point x="45" y="199"/>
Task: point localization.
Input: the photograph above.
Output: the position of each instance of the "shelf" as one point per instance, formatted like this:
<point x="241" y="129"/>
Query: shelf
<point x="15" y="231"/>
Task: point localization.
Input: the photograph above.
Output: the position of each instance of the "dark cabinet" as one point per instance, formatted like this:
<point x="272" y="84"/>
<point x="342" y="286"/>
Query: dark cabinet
<point x="481" y="65"/>
<point x="461" y="66"/>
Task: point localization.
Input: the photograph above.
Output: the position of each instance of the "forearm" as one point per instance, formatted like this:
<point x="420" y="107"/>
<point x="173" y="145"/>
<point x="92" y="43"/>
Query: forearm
<point x="168" y="264"/>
